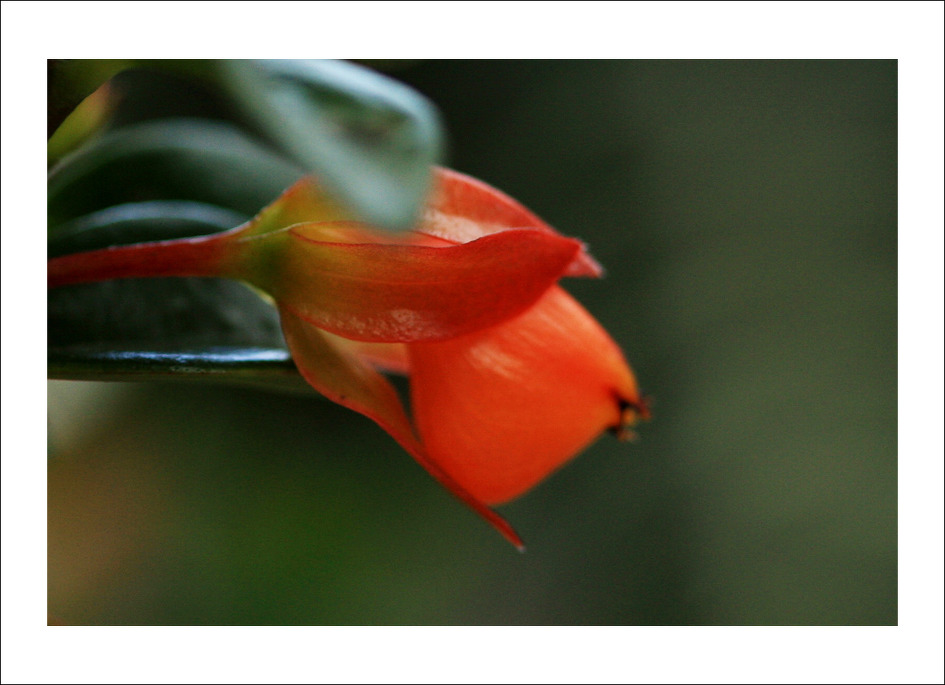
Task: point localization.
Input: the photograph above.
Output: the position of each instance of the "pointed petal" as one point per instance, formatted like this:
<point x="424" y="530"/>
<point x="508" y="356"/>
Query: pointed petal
<point x="500" y="409"/>
<point x="462" y="208"/>
<point x="404" y="293"/>
<point x="347" y="380"/>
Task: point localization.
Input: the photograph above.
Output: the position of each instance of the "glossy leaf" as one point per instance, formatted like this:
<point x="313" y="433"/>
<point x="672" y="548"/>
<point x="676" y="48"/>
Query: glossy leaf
<point x="139" y="222"/>
<point x="178" y="159"/>
<point x="259" y="367"/>
<point x="159" y="315"/>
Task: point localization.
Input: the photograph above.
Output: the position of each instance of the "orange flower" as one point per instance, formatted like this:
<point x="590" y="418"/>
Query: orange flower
<point x="509" y="376"/>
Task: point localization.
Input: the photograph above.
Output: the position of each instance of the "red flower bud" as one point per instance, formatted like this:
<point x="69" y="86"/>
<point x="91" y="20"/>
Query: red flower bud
<point x="509" y="376"/>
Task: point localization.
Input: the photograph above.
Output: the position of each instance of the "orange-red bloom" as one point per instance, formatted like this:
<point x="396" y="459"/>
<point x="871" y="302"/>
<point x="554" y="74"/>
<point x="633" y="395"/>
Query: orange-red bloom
<point x="509" y="376"/>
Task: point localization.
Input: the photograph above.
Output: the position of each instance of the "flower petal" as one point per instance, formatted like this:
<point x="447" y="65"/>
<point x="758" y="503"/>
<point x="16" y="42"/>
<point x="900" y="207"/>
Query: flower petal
<point x="500" y="409"/>
<point x="386" y="357"/>
<point x="462" y="208"/>
<point x="405" y="293"/>
<point x="346" y="379"/>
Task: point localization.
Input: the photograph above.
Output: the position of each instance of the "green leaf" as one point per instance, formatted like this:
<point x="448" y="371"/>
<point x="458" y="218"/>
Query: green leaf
<point x="169" y="159"/>
<point x="168" y="329"/>
<point x="264" y="368"/>
<point x="369" y="139"/>
<point x="140" y="222"/>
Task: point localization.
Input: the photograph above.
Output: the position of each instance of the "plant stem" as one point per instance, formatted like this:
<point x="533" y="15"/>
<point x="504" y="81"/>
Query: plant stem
<point x="201" y="256"/>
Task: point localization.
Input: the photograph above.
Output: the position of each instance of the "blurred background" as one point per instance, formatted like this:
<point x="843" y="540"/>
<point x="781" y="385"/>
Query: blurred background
<point x="746" y="214"/>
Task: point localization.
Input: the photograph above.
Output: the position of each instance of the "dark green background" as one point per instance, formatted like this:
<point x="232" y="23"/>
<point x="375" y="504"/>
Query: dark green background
<point x="746" y="213"/>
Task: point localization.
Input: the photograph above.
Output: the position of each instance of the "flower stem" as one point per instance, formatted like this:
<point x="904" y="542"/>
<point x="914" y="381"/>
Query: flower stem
<point x="202" y="256"/>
